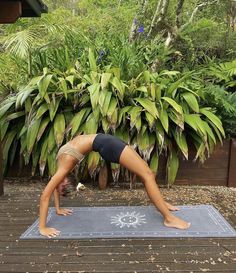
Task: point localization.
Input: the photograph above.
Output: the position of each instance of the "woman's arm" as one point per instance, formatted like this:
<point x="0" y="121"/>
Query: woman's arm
<point x="56" y="200"/>
<point x="44" y="203"/>
<point x="60" y="211"/>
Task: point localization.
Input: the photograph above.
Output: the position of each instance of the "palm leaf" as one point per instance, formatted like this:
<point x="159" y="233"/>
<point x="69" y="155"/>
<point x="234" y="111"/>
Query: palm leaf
<point x="154" y="162"/>
<point x="177" y="118"/>
<point x="35" y="160"/>
<point x="122" y="112"/>
<point x="181" y="142"/>
<point x="172" y="166"/>
<point x="53" y="108"/>
<point x="3" y="128"/>
<point x="191" y="101"/>
<point x="7" y="142"/>
<point x="174" y="104"/>
<point x="164" y="120"/>
<point x="150" y="119"/>
<point x="105" y="80"/>
<point x="15" y="115"/>
<point x="91" y="125"/>
<point x="160" y="134"/>
<point x="174" y="86"/>
<point x="92" y="60"/>
<point x="4" y="108"/>
<point x="118" y="84"/>
<point x="42" y="127"/>
<point x="51" y="140"/>
<point x="105" y="125"/>
<point x="214" y="119"/>
<point x="43" y="85"/>
<point x="32" y="133"/>
<point x="43" y="156"/>
<point x="77" y="120"/>
<point x="106" y="104"/>
<point x="94" y="94"/>
<point x="51" y="162"/>
<point x="59" y="129"/>
<point x="93" y="163"/>
<point x="134" y="114"/>
<point x="148" y="106"/>
<point x="112" y="107"/>
<point x="41" y="110"/>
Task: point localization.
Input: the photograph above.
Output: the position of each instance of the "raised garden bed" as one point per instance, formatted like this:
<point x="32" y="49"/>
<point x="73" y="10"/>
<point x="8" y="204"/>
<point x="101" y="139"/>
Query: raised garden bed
<point x="219" y="169"/>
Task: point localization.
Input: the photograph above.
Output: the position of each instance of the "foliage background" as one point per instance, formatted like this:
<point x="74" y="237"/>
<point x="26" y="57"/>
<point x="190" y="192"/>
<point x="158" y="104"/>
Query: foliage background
<point x="122" y="38"/>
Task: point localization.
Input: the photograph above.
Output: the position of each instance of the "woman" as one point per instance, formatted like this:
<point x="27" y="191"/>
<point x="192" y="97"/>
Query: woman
<point x="111" y="149"/>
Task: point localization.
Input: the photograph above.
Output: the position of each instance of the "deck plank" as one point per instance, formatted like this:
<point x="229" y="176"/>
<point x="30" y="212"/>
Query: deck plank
<point x="18" y="210"/>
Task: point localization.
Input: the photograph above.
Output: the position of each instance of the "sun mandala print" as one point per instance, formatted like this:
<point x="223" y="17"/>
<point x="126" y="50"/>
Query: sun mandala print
<point x="128" y="219"/>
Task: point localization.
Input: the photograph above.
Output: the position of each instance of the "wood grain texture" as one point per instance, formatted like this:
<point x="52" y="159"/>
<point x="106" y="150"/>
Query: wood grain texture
<point x="20" y="209"/>
<point x="219" y="169"/>
<point x="10" y="11"/>
<point x="232" y="164"/>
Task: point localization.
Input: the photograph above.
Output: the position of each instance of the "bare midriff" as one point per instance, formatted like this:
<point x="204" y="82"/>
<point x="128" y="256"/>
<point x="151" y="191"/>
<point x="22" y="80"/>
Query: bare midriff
<point x="83" y="143"/>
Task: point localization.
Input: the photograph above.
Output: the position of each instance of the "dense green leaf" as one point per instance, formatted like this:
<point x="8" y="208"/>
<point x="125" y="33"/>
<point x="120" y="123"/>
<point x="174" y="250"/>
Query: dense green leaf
<point x="92" y="60"/>
<point x="43" y="84"/>
<point x="164" y="120"/>
<point x="119" y="87"/>
<point x="213" y="118"/>
<point x="154" y="163"/>
<point x="77" y="120"/>
<point x="181" y="142"/>
<point x="59" y="129"/>
<point x="105" y="79"/>
<point x="174" y="104"/>
<point x="41" y="110"/>
<point x="191" y="100"/>
<point x="149" y="106"/>
<point x="172" y="166"/>
<point x="42" y="127"/>
<point x="94" y="94"/>
<point x="32" y="133"/>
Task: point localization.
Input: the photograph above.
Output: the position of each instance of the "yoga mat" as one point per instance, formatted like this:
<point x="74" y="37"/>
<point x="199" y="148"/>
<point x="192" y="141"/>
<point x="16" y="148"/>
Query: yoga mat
<point x="133" y="221"/>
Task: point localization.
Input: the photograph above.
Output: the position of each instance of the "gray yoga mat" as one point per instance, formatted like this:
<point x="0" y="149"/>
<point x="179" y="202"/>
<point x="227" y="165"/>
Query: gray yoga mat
<point x="133" y="221"/>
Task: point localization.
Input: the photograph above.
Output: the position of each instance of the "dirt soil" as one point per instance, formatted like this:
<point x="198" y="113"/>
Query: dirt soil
<point x="222" y="198"/>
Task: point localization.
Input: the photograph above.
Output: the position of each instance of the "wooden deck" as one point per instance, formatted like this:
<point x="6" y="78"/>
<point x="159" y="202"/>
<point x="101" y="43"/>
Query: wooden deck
<point x="19" y="209"/>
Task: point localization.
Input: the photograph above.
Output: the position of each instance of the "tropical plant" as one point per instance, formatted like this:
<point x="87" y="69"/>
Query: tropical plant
<point x="225" y="105"/>
<point x="223" y="74"/>
<point x="154" y="112"/>
<point x="219" y="92"/>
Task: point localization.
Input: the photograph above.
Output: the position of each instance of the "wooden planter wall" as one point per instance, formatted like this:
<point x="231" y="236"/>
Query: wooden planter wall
<point x="219" y="169"/>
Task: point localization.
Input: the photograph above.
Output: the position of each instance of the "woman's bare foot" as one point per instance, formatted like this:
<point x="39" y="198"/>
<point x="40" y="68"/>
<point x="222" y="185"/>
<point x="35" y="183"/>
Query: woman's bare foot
<point x="176" y="222"/>
<point x="170" y="207"/>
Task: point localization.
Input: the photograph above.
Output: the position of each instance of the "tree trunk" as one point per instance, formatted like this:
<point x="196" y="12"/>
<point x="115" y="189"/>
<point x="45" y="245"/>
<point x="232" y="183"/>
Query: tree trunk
<point x="179" y="13"/>
<point x="233" y="14"/>
<point x="54" y="4"/>
<point x="199" y="6"/>
<point x="159" y="15"/>
<point x="74" y="7"/>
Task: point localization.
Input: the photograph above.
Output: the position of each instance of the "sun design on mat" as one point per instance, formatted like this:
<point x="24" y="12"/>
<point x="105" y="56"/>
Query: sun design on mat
<point x="128" y="219"/>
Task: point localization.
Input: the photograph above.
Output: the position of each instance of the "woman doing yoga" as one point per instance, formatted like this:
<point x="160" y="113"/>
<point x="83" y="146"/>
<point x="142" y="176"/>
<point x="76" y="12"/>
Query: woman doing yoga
<point x="113" y="150"/>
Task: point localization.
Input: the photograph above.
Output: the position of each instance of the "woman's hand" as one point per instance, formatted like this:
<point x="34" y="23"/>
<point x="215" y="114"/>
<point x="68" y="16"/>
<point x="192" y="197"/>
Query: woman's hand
<point x="64" y="212"/>
<point x="49" y="232"/>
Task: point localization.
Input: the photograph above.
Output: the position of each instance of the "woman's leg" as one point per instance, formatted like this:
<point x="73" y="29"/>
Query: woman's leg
<point x="133" y="162"/>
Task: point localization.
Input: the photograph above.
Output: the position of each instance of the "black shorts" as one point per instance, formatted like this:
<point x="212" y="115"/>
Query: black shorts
<point x="109" y="147"/>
